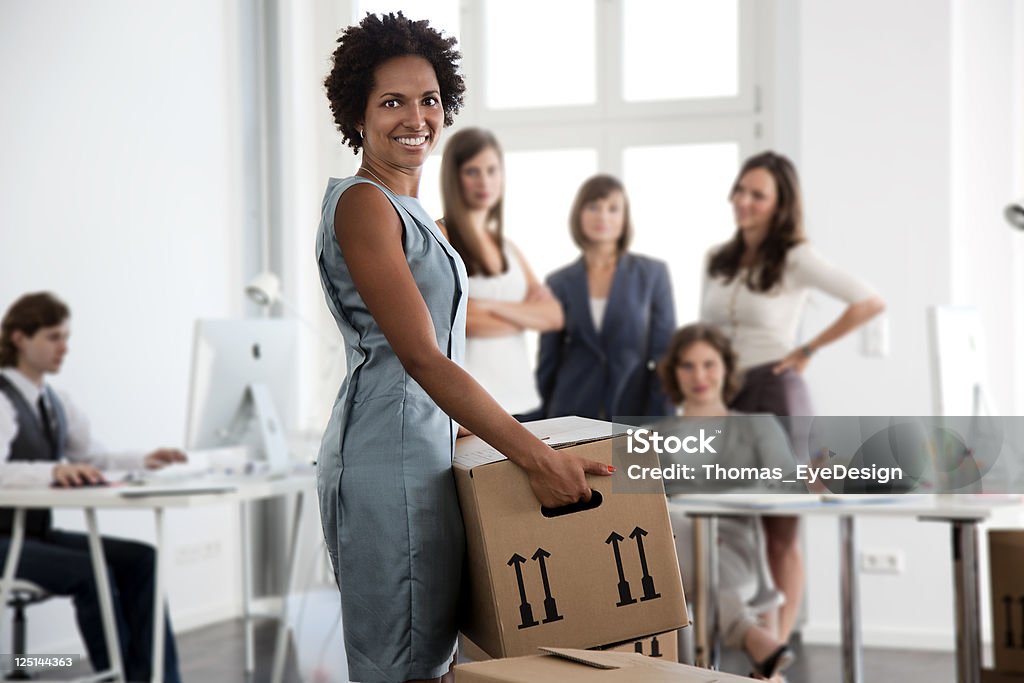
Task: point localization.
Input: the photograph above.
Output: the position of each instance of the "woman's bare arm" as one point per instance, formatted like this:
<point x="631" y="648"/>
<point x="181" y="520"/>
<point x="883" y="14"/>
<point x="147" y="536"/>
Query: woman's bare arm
<point x="855" y="315"/>
<point x="369" y="233"/>
<point x="480" y="322"/>
<point x="539" y="310"/>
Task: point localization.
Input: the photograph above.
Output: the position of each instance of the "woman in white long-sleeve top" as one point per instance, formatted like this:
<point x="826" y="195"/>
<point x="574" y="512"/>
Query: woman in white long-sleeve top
<point x="755" y="289"/>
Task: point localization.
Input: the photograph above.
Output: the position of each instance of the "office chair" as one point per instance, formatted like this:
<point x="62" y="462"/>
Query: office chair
<point x="22" y="594"/>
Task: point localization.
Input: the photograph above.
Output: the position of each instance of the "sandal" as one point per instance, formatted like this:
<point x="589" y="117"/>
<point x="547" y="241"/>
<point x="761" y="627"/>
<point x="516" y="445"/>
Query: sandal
<point x="775" y="663"/>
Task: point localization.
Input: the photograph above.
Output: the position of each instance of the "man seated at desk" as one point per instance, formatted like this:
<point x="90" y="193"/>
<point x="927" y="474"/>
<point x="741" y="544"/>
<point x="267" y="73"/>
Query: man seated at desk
<point x="44" y="441"/>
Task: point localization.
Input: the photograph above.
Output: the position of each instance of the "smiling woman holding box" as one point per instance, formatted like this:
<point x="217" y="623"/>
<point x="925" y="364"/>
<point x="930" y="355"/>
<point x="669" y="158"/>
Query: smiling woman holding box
<point x="397" y="291"/>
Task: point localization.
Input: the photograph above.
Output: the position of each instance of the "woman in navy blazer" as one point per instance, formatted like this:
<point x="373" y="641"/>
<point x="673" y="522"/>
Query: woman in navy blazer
<point x="619" y="317"/>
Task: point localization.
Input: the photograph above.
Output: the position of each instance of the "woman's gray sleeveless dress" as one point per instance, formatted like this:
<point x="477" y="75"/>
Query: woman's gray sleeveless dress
<point x="388" y="505"/>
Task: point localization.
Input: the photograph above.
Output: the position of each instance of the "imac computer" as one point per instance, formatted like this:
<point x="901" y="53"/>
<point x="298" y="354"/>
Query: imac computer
<point x="959" y="369"/>
<point x="243" y="387"/>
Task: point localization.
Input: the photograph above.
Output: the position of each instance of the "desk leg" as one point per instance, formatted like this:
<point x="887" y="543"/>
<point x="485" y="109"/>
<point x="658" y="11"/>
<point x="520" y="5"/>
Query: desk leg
<point x="246" y="547"/>
<point x="99" y="570"/>
<point x="965" y="585"/>
<point x="11" y="565"/>
<point x="705" y="554"/>
<point x="157" y="673"/>
<point x="281" y="647"/>
<point x="848" y="591"/>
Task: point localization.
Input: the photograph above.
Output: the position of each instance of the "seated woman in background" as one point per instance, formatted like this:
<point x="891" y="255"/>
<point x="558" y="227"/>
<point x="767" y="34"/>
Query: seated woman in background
<point x="619" y="316"/>
<point x="505" y="297"/>
<point x="699" y="374"/>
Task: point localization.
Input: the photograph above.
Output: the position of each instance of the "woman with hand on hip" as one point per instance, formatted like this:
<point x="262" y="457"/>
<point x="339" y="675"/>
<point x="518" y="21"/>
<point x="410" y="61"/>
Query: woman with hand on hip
<point x="395" y="286"/>
<point x="755" y="289"/>
<point x="505" y="297"/>
<point x="619" y="316"/>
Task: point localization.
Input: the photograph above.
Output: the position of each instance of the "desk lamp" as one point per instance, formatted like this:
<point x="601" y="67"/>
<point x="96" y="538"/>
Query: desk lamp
<point x="1015" y="214"/>
<point x="265" y="290"/>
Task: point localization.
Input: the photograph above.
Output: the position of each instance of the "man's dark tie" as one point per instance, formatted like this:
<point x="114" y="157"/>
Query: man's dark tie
<point x="48" y="426"/>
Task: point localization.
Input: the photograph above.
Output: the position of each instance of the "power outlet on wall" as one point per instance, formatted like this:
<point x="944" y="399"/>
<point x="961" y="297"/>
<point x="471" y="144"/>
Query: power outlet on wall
<point x="882" y="562"/>
<point x="875" y="337"/>
<point x="193" y="553"/>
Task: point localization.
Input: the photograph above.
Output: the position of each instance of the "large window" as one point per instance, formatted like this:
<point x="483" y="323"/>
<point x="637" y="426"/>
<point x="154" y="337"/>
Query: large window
<point x="539" y="53"/>
<point x="679" y="208"/>
<point x="681" y="35"/>
<point x="665" y="94"/>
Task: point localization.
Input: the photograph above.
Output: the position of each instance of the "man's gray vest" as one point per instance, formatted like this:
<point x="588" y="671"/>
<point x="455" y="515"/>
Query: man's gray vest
<point x="33" y="443"/>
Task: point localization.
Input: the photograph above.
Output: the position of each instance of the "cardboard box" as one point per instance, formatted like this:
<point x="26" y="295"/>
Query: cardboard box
<point x="584" y="579"/>
<point x="586" y="666"/>
<point x="1006" y="557"/>
<point x="471" y="651"/>
<point x="663" y="645"/>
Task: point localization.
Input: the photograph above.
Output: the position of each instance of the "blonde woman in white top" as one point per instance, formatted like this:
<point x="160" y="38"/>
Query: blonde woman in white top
<point x="505" y="297"/>
<point x="755" y="290"/>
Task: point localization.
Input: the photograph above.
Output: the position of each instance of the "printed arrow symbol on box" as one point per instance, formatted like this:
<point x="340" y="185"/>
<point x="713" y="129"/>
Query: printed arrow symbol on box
<point x="539" y="557"/>
<point x="550" y="608"/>
<point x="525" y="610"/>
<point x="1008" y="608"/>
<point x="1022" y="621"/>
<point x="648" y="581"/>
<point x="625" y="597"/>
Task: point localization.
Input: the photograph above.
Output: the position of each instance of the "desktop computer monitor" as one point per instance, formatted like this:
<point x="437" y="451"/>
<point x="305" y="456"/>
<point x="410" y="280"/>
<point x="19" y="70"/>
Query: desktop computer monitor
<point x="243" y="387"/>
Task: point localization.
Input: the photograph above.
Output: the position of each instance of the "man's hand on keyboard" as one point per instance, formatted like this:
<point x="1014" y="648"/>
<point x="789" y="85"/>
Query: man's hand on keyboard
<point x="164" y="456"/>
<point x="76" y="474"/>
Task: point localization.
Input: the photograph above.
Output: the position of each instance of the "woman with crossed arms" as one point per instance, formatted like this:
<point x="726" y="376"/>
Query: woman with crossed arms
<point x="505" y="298"/>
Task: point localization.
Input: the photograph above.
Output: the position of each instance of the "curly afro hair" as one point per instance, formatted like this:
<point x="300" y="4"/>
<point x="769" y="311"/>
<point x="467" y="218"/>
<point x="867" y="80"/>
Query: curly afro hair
<point x="364" y="47"/>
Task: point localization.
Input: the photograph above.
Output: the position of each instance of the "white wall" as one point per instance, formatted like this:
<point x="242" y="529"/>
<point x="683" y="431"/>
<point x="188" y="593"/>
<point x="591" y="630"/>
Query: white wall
<point x="1017" y="147"/>
<point x="983" y="183"/>
<point x="119" y="191"/>
<point x="311" y="152"/>
<point x="875" y="128"/>
<point x="903" y="128"/>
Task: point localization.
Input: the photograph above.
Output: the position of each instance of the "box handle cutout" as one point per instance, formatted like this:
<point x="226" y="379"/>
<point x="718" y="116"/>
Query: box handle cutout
<point x="572" y="508"/>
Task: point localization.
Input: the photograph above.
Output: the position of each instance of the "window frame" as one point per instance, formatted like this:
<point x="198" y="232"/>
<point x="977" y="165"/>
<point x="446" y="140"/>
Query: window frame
<point x="611" y="107"/>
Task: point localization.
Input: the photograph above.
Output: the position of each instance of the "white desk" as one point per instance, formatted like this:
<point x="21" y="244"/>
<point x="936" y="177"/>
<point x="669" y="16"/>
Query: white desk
<point x="962" y="513"/>
<point x="236" y="492"/>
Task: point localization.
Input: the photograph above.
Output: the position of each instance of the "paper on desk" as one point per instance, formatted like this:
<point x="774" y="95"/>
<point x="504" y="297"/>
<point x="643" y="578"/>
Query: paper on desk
<point x="741" y="501"/>
<point x="183" y="489"/>
<point x="793" y="501"/>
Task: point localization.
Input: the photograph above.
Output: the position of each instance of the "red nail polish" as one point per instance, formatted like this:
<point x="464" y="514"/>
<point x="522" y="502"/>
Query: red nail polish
<point x="610" y="468"/>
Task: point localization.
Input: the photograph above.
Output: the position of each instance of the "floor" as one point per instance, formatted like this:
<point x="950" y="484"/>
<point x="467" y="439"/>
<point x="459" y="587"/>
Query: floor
<point x="820" y="663"/>
<point x="215" y="654"/>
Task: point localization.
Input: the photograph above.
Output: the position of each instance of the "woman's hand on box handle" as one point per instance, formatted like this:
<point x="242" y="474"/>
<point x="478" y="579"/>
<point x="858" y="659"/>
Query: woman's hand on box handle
<point x="559" y="479"/>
